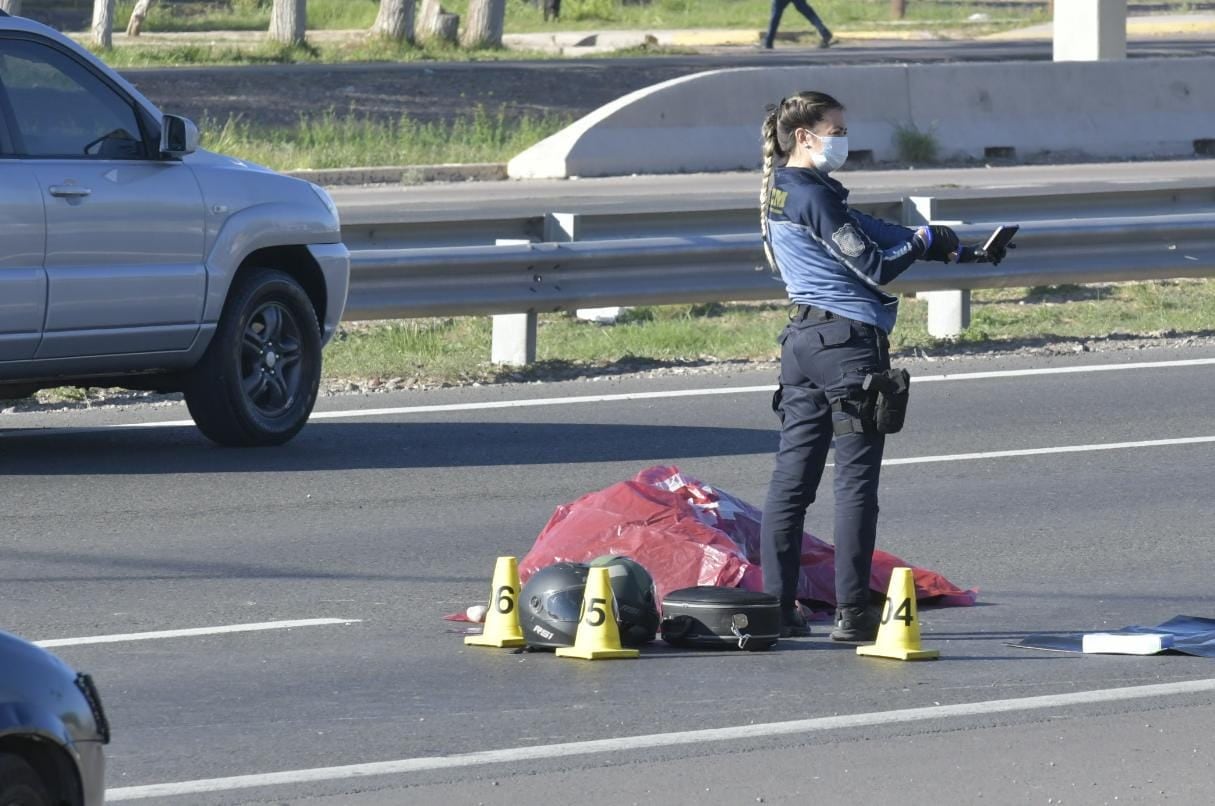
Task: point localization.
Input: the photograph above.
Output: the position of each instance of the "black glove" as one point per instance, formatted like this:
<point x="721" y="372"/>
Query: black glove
<point x="977" y="254"/>
<point x="939" y="243"/>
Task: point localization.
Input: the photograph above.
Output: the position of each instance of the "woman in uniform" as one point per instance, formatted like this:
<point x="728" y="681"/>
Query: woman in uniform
<point x="834" y="261"/>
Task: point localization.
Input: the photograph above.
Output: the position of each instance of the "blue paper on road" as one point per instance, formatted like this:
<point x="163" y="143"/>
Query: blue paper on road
<point x="1191" y="636"/>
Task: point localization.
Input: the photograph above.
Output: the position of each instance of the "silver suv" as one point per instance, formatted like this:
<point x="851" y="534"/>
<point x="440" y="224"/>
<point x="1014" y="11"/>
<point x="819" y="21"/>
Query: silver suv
<point x="130" y="257"/>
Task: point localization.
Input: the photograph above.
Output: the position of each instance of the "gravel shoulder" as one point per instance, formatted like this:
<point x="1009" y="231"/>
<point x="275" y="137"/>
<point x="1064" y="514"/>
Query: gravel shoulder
<point x="956" y="357"/>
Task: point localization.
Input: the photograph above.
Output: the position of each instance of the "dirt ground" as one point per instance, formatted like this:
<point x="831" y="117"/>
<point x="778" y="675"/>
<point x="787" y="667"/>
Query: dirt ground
<point x="278" y="95"/>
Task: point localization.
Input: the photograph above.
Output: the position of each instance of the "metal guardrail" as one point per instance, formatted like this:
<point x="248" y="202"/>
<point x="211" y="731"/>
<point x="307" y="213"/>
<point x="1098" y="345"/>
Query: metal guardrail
<point x="516" y="278"/>
<point x="711" y="252"/>
<point x="736" y="212"/>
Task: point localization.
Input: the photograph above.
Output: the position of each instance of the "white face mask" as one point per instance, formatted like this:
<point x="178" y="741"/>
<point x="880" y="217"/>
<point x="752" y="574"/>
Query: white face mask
<point x="834" y="154"/>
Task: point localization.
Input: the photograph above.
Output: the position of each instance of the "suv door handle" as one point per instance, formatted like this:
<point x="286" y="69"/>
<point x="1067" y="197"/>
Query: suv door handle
<point x="70" y="191"/>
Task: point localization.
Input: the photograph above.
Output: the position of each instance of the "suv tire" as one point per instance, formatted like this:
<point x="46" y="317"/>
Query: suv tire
<point x="20" y="784"/>
<point x="257" y="382"/>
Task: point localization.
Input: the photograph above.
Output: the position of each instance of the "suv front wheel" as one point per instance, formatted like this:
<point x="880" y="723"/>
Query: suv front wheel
<point x="258" y="380"/>
<point x="20" y="784"/>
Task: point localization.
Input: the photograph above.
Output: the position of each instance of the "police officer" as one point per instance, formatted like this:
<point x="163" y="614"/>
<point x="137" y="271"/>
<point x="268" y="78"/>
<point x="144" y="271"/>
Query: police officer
<point x="833" y="260"/>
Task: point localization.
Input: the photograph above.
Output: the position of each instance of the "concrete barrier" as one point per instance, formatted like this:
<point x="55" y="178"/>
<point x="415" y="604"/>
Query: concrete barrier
<point x="710" y="121"/>
<point x="1137" y="108"/>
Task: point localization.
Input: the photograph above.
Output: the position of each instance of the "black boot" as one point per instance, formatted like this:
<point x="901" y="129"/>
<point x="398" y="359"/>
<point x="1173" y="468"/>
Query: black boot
<point x="793" y="625"/>
<point x="856" y="625"/>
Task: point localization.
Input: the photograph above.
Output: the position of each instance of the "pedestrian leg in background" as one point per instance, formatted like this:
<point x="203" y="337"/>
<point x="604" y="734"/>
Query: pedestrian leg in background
<point x="778" y="8"/>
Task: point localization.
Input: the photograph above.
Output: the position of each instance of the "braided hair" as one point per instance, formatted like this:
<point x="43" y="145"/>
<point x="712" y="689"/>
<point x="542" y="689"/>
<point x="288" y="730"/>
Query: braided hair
<point x="802" y="111"/>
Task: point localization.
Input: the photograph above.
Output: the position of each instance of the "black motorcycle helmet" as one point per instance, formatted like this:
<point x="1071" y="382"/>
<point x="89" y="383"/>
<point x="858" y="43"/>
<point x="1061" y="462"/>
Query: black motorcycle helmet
<point x="636" y="605"/>
<point x="551" y="605"/>
<point x="552" y="602"/>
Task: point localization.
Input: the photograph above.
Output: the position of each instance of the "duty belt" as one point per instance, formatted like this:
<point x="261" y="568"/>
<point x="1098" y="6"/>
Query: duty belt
<point x="804" y="313"/>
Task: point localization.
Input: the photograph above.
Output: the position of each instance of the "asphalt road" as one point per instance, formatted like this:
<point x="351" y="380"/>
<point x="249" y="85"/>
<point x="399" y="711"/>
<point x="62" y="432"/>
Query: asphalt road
<point x="279" y="94"/>
<point x="643" y="194"/>
<point x="474" y="213"/>
<point x="395" y="518"/>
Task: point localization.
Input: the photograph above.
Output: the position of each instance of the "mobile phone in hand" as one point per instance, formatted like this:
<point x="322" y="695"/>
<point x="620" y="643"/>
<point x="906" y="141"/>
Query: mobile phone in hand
<point x="1001" y="238"/>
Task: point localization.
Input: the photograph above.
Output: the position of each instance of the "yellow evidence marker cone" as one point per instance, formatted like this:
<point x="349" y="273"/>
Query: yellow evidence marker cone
<point x="899" y="634"/>
<point x="502" y="619"/>
<point x="598" y="636"/>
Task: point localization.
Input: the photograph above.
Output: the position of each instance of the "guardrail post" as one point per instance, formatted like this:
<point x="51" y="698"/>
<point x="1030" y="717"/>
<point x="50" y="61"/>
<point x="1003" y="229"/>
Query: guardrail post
<point x="564" y="228"/>
<point x="514" y="339"/>
<point x="948" y="311"/>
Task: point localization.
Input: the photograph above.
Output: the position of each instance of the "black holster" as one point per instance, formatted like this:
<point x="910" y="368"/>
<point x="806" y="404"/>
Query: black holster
<point x="888" y="392"/>
<point x="882" y="405"/>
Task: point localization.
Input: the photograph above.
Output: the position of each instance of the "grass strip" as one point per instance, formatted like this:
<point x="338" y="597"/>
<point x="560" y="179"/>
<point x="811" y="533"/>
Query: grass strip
<point x="247" y="15"/>
<point x="370" y="49"/>
<point x="524" y="16"/>
<point x="431" y="352"/>
<point x="947" y="19"/>
<point x="330" y="140"/>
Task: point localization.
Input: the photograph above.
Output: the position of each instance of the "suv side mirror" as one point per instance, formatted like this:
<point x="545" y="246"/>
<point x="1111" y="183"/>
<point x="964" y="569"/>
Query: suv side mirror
<point x="178" y="136"/>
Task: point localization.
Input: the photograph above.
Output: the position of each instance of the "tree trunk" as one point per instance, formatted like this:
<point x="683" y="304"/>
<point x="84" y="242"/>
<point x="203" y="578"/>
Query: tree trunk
<point x="137" y="17"/>
<point x="287" y="21"/>
<point x="437" y="24"/>
<point x="395" y="20"/>
<point x="898" y="9"/>
<point x="11" y="6"/>
<point x="483" y="26"/>
<point x="103" y="23"/>
<point x="427" y="17"/>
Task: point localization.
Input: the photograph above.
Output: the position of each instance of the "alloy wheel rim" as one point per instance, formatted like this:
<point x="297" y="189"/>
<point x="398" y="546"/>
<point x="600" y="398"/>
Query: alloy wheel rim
<point x="272" y="359"/>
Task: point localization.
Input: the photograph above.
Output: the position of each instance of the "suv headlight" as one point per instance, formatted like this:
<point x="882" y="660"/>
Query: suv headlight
<point x="327" y="201"/>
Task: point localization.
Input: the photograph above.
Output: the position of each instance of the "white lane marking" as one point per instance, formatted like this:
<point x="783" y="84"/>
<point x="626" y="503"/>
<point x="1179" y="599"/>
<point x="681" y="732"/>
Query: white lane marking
<point x="1106" y="446"/>
<point x="349" y="414"/>
<point x="1025" y="373"/>
<point x="678" y="393"/>
<point x="194" y="631"/>
<point x="633" y="743"/>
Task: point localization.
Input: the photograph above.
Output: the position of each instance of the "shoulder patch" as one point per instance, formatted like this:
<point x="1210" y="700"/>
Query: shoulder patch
<point x="849" y="239"/>
<point x="778" y="200"/>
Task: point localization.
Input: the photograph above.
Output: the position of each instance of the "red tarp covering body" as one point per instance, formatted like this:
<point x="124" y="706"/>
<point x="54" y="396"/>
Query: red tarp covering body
<point x="687" y="533"/>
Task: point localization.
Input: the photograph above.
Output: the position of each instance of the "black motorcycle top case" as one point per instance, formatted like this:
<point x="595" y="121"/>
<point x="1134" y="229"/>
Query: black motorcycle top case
<point x="720" y="618"/>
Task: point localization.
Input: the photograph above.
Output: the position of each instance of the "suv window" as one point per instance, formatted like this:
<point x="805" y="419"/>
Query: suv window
<point x="60" y="108"/>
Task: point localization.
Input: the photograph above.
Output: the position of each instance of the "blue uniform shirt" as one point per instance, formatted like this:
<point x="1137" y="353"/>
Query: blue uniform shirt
<point x="831" y="256"/>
